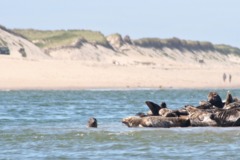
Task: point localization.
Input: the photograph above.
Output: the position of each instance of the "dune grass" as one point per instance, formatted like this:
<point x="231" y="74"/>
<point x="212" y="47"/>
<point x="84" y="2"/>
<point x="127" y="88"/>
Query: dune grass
<point x="180" y="44"/>
<point x="59" y="38"/>
<point x="227" y="49"/>
<point x="174" y="43"/>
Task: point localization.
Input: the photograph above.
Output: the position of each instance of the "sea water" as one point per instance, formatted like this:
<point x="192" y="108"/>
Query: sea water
<point x="53" y="125"/>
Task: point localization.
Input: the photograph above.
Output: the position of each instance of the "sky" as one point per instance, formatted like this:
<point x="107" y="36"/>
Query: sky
<point x="217" y="21"/>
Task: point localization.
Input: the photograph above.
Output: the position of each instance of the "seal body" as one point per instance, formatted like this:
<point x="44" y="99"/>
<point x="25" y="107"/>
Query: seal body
<point x="200" y="117"/>
<point x="215" y="99"/>
<point x="156" y="121"/>
<point x="232" y="105"/>
<point x="227" y="117"/>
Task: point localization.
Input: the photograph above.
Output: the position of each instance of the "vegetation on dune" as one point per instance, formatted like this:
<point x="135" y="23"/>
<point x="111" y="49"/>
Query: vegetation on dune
<point x="47" y="39"/>
<point x="227" y="49"/>
<point x="174" y="43"/>
<point x="59" y="38"/>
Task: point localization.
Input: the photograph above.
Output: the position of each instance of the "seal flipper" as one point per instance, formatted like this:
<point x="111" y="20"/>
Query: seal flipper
<point x="153" y="107"/>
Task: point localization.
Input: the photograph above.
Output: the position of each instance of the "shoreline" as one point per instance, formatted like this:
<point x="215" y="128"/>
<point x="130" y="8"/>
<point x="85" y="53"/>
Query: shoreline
<point x="115" y="88"/>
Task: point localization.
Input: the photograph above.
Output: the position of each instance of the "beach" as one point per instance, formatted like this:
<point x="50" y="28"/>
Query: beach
<point x="121" y="66"/>
<point x="69" y="74"/>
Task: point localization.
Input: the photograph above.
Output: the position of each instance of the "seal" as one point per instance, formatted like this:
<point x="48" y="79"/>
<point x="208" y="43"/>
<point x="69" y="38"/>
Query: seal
<point x="166" y="112"/>
<point x="215" y="99"/>
<point x="92" y="122"/>
<point x="231" y="102"/>
<point x="162" y="110"/>
<point x="232" y="105"/>
<point x="154" y="108"/>
<point x="156" y="121"/>
<point x="200" y="117"/>
<point x="204" y="105"/>
<point x="227" y="117"/>
<point x="141" y="114"/>
<point x="229" y="98"/>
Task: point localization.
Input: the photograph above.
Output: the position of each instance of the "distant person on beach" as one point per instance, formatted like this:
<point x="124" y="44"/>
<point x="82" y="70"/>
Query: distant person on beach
<point x="224" y="77"/>
<point x="230" y="78"/>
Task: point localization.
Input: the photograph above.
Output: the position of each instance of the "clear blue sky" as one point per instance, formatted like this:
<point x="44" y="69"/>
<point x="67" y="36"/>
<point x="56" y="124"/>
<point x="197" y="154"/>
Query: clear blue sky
<point x="217" y="21"/>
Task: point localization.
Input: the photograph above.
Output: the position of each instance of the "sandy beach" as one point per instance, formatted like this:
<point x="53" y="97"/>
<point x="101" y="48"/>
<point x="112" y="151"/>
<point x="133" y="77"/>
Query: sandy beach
<point x="67" y="74"/>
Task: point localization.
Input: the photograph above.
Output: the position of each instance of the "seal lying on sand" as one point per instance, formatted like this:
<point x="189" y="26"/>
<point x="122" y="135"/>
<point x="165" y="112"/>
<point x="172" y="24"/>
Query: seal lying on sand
<point x="200" y="117"/>
<point x="215" y="99"/>
<point x="227" y="117"/>
<point x="92" y="122"/>
<point x="156" y="121"/>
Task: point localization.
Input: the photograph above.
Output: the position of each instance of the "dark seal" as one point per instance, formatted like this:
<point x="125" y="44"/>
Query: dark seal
<point x="215" y="99"/>
<point x="92" y="122"/>
<point x="155" y="108"/>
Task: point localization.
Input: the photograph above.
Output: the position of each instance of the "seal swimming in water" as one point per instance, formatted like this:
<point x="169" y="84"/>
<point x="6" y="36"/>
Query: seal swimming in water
<point x="200" y="117"/>
<point x="92" y="122"/>
<point x="156" y="121"/>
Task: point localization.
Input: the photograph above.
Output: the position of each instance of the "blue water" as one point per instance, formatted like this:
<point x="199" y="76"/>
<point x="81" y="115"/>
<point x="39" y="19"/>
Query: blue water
<point x="52" y="125"/>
